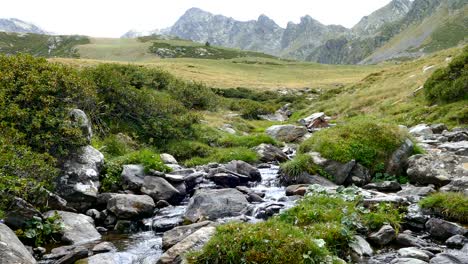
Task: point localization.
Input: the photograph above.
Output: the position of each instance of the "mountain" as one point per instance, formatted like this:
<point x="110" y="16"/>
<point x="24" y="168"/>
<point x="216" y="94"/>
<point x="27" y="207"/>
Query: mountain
<point x="401" y="29"/>
<point x="19" y="26"/>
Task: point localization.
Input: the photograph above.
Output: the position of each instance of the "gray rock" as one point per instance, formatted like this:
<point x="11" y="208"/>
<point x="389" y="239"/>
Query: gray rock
<point x="437" y="169"/>
<point x="254" y="198"/>
<point x="226" y="180"/>
<point x="408" y="240"/>
<point x="112" y="258"/>
<point x="286" y="133"/>
<point x="270" y="153"/>
<point x="398" y="162"/>
<point x="415" y="218"/>
<point x="442" y="230"/>
<point x="129" y="206"/>
<point x="385" y="186"/>
<point x="304" y="178"/>
<point x="243" y="168"/>
<point x="455" y="136"/>
<point x="177" y="234"/>
<point x="104" y="247"/>
<point x="361" y="247"/>
<point x="340" y="171"/>
<point x="214" y="204"/>
<point x="297" y="189"/>
<point x="132" y="177"/>
<point x="415" y="193"/>
<point x="80" y="119"/>
<point x="384" y="236"/>
<point x="408" y="261"/>
<point x="421" y="130"/>
<point x="193" y="242"/>
<point x="451" y="257"/>
<point x="455" y="146"/>
<point x="168" y="159"/>
<point x="456" y="241"/>
<point x="359" y="176"/>
<point x="438" y="128"/>
<point x="79" y="182"/>
<point x="160" y="189"/>
<point x="94" y="214"/>
<point x="78" y="228"/>
<point x="11" y="249"/>
<point x="19" y="212"/>
<point x="74" y="255"/>
<point x="125" y="226"/>
<point x="412" y="252"/>
<point x="457" y="185"/>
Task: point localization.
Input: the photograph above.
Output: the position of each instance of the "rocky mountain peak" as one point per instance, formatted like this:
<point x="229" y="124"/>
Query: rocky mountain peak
<point x="19" y="26"/>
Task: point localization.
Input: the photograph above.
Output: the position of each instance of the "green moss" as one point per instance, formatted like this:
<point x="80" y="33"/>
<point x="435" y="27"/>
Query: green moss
<point x="223" y="155"/>
<point x="381" y="214"/>
<point x="453" y="206"/>
<point x="266" y="242"/>
<point x="248" y="141"/>
<point x="367" y="141"/>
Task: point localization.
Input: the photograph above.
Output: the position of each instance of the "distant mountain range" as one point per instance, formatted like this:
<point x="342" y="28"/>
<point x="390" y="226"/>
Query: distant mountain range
<point x="19" y="26"/>
<point x="402" y="29"/>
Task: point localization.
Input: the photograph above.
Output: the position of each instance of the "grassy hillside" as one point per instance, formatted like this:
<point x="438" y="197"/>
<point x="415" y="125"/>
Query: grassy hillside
<point x="41" y="45"/>
<point x="389" y="94"/>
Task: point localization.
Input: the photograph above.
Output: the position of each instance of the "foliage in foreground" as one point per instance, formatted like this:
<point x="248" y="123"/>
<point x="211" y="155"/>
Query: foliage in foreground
<point x="367" y="141"/>
<point x="319" y="226"/>
<point x="451" y="205"/>
<point x="40" y="232"/>
<point x="449" y="84"/>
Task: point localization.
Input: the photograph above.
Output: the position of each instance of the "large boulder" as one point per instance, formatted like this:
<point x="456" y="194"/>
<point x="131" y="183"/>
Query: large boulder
<point x="384" y="236"/>
<point x="208" y="204"/>
<point x="193" y="242"/>
<point x="270" y="153"/>
<point x="168" y="159"/>
<point x="398" y="162"/>
<point x="437" y="169"/>
<point x="80" y="119"/>
<point x="19" y="212"/>
<point x="359" y="176"/>
<point x="243" y="168"/>
<point x="77" y="228"/>
<point x="128" y="206"/>
<point x="11" y="249"/>
<point x="79" y="182"/>
<point x="442" y="230"/>
<point x="339" y="171"/>
<point x="160" y="189"/>
<point x="421" y="130"/>
<point x="304" y="178"/>
<point x="177" y="234"/>
<point x="132" y="176"/>
<point x="286" y="133"/>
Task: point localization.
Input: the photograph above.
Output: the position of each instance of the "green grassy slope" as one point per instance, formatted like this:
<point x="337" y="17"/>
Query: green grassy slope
<point x="41" y="45"/>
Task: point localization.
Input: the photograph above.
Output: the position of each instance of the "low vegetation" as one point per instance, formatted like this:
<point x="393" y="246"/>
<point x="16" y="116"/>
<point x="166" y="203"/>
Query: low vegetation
<point x="449" y="84"/>
<point x="367" y="141"/>
<point x="39" y="232"/>
<point x="318" y="228"/>
<point x="450" y="205"/>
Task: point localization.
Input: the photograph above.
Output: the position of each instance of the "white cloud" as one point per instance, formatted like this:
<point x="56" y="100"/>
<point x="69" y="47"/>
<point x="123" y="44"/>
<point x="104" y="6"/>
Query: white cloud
<point x="111" y="18"/>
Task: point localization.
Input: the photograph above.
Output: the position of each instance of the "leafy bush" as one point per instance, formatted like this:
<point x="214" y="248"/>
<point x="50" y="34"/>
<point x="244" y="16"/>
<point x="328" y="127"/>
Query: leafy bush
<point x="451" y="205"/>
<point x="39" y="232"/>
<point x="449" y="84"/>
<point x="248" y="141"/>
<point x="35" y="100"/>
<point x="223" y="155"/>
<point x="367" y="141"/>
<point x="266" y="242"/>
<point x="251" y="109"/>
<point x="194" y="95"/>
<point x="295" y="167"/>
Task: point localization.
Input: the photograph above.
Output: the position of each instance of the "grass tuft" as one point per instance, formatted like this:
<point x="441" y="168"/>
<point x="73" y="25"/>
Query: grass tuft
<point x="451" y="205"/>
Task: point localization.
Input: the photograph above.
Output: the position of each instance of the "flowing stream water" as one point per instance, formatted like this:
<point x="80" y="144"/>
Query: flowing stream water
<point x="146" y="246"/>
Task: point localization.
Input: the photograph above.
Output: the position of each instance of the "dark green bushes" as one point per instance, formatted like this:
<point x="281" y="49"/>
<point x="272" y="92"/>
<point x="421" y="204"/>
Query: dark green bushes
<point x="449" y="84"/>
<point x="39" y="232"/>
<point x="367" y="141"/>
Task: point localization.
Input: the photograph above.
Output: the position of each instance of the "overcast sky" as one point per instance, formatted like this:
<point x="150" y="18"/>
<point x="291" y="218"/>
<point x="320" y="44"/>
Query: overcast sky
<point x="112" y="18"/>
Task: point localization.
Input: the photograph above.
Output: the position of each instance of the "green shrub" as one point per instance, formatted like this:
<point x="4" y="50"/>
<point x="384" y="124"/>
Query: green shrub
<point x="248" y="141"/>
<point x="295" y="167"/>
<point x="184" y="150"/>
<point x="39" y="232"/>
<point x="452" y="205"/>
<point x="449" y="84"/>
<point x="251" y="109"/>
<point x="35" y="99"/>
<point x="194" y="95"/>
<point x="223" y="155"/>
<point x="367" y="141"/>
<point x="266" y="242"/>
<point x="114" y="146"/>
<point x="381" y="214"/>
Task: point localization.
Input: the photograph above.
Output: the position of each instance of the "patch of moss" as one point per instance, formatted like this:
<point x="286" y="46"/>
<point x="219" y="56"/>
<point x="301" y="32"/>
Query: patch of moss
<point x="223" y="155"/>
<point x="451" y="205"/>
